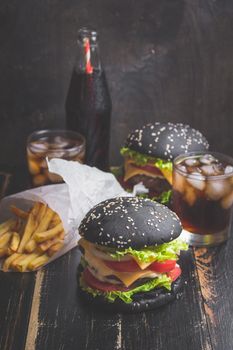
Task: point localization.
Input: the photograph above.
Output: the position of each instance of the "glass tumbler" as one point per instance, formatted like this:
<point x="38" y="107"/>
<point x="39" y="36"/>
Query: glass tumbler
<point x="203" y="196"/>
<point x="50" y="144"/>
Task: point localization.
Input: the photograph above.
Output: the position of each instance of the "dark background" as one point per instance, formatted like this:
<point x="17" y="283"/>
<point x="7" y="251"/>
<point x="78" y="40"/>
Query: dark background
<point x="166" y="60"/>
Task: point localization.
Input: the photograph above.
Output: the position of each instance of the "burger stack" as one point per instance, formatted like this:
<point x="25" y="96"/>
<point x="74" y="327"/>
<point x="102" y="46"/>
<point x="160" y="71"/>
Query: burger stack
<point x="130" y="249"/>
<point x="149" y="151"/>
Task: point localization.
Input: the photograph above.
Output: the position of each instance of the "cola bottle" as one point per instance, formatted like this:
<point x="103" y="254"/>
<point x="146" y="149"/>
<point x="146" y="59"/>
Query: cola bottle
<point x="88" y="103"/>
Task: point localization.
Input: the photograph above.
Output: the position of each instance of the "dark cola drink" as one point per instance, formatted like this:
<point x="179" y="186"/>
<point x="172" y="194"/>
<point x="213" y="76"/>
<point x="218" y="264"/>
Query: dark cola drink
<point x="88" y="103"/>
<point x="203" y="196"/>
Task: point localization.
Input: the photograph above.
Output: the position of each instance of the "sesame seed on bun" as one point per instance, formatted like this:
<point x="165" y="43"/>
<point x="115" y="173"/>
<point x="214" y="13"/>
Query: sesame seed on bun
<point x="166" y="140"/>
<point x="134" y="222"/>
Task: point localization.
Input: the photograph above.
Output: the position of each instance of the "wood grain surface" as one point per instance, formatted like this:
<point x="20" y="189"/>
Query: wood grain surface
<point x="52" y="316"/>
<point x="63" y="322"/>
<point x="16" y="291"/>
<point x="214" y="266"/>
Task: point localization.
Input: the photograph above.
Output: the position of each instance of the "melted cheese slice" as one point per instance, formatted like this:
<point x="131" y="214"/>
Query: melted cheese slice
<point x="141" y="264"/>
<point x="167" y="174"/>
<point x="90" y="246"/>
<point x="131" y="170"/>
<point x="127" y="278"/>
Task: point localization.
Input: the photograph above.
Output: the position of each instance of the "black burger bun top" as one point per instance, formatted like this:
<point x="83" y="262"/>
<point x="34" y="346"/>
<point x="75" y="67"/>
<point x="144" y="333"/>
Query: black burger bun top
<point x="126" y="222"/>
<point x="166" y="140"/>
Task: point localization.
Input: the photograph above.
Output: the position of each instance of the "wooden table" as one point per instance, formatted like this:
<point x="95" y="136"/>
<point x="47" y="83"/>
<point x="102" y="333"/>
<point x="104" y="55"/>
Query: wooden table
<point x="42" y="310"/>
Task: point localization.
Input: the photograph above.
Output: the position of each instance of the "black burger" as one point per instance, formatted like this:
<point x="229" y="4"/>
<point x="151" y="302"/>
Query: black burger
<point x="148" y="153"/>
<point x="130" y="249"/>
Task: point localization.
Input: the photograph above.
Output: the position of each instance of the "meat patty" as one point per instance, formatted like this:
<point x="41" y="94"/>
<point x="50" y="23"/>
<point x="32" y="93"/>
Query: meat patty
<point x="155" y="185"/>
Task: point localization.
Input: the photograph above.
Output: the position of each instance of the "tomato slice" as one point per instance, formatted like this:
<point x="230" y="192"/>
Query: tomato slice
<point x="175" y="273"/>
<point x="132" y="266"/>
<point x="164" y="266"/>
<point x="103" y="286"/>
<point x="123" y="266"/>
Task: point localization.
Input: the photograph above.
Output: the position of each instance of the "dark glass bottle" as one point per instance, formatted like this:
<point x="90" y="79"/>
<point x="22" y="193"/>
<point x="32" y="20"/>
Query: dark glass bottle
<point x="88" y="103"/>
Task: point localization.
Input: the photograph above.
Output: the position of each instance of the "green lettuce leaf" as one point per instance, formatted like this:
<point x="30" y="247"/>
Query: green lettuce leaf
<point x="165" y="251"/>
<point x="163" y="198"/>
<point x="163" y="164"/>
<point x="160" y="281"/>
<point x="143" y="159"/>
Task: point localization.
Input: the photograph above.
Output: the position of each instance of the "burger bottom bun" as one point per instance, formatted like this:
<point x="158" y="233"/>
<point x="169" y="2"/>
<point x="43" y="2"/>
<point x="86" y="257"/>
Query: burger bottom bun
<point x="141" y="301"/>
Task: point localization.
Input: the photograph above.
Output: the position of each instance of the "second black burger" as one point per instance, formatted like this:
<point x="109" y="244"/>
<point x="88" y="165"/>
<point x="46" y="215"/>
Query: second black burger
<point x="148" y="153"/>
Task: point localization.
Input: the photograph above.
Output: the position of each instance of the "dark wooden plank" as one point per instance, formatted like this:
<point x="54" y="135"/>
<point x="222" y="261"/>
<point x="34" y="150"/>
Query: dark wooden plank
<point x="63" y="322"/>
<point x="179" y="325"/>
<point x="215" y="266"/>
<point x="16" y="291"/>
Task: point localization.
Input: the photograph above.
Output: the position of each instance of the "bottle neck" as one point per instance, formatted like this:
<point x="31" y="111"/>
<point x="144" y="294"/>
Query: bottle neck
<point x="88" y="59"/>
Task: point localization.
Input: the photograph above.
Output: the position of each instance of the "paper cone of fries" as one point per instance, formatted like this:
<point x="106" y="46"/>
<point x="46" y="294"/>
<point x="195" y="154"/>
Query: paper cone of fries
<point x="39" y="225"/>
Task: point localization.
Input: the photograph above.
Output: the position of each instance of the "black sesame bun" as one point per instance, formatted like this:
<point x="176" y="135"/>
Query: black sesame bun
<point x="166" y="140"/>
<point x="112" y="233"/>
<point x="134" y="222"/>
<point x="149" y="152"/>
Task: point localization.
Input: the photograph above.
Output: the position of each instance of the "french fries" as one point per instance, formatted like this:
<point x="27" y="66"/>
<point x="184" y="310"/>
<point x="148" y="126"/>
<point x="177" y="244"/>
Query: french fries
<point x="3" y="252"/>
<point x="29" y="229"/>
<point x="19" y="212"/>
<point x="7" y="225"/>
<point x="23" y="263"/>
<point x="45" y="217"/>
<point x="47" y="244"/>
<point x="55" y="248"/>
<point x="15" y="240"/>
<point x="55" y="221"/>
<point x="28" y="242"/>
<point x="30" y="246"/>
<point x="43" y="236"/>
<point x="45" y="220"/>
<point x="9" y="261"/>
<point x="17" y="260"/>
<point x="4" y="239"/>
<point x="39" y="261"/>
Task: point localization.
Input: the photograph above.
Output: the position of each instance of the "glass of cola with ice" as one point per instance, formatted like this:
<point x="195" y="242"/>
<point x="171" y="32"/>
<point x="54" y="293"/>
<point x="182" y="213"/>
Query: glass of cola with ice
<point x="50" y="144"/>
<point x="203" y="196"/>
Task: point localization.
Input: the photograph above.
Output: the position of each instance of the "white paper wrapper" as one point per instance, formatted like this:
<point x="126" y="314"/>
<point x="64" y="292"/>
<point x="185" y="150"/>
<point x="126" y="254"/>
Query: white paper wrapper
<point x="84" y="187"/>
<point x="87" y="185"/>
<point x="57" y="198"/>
